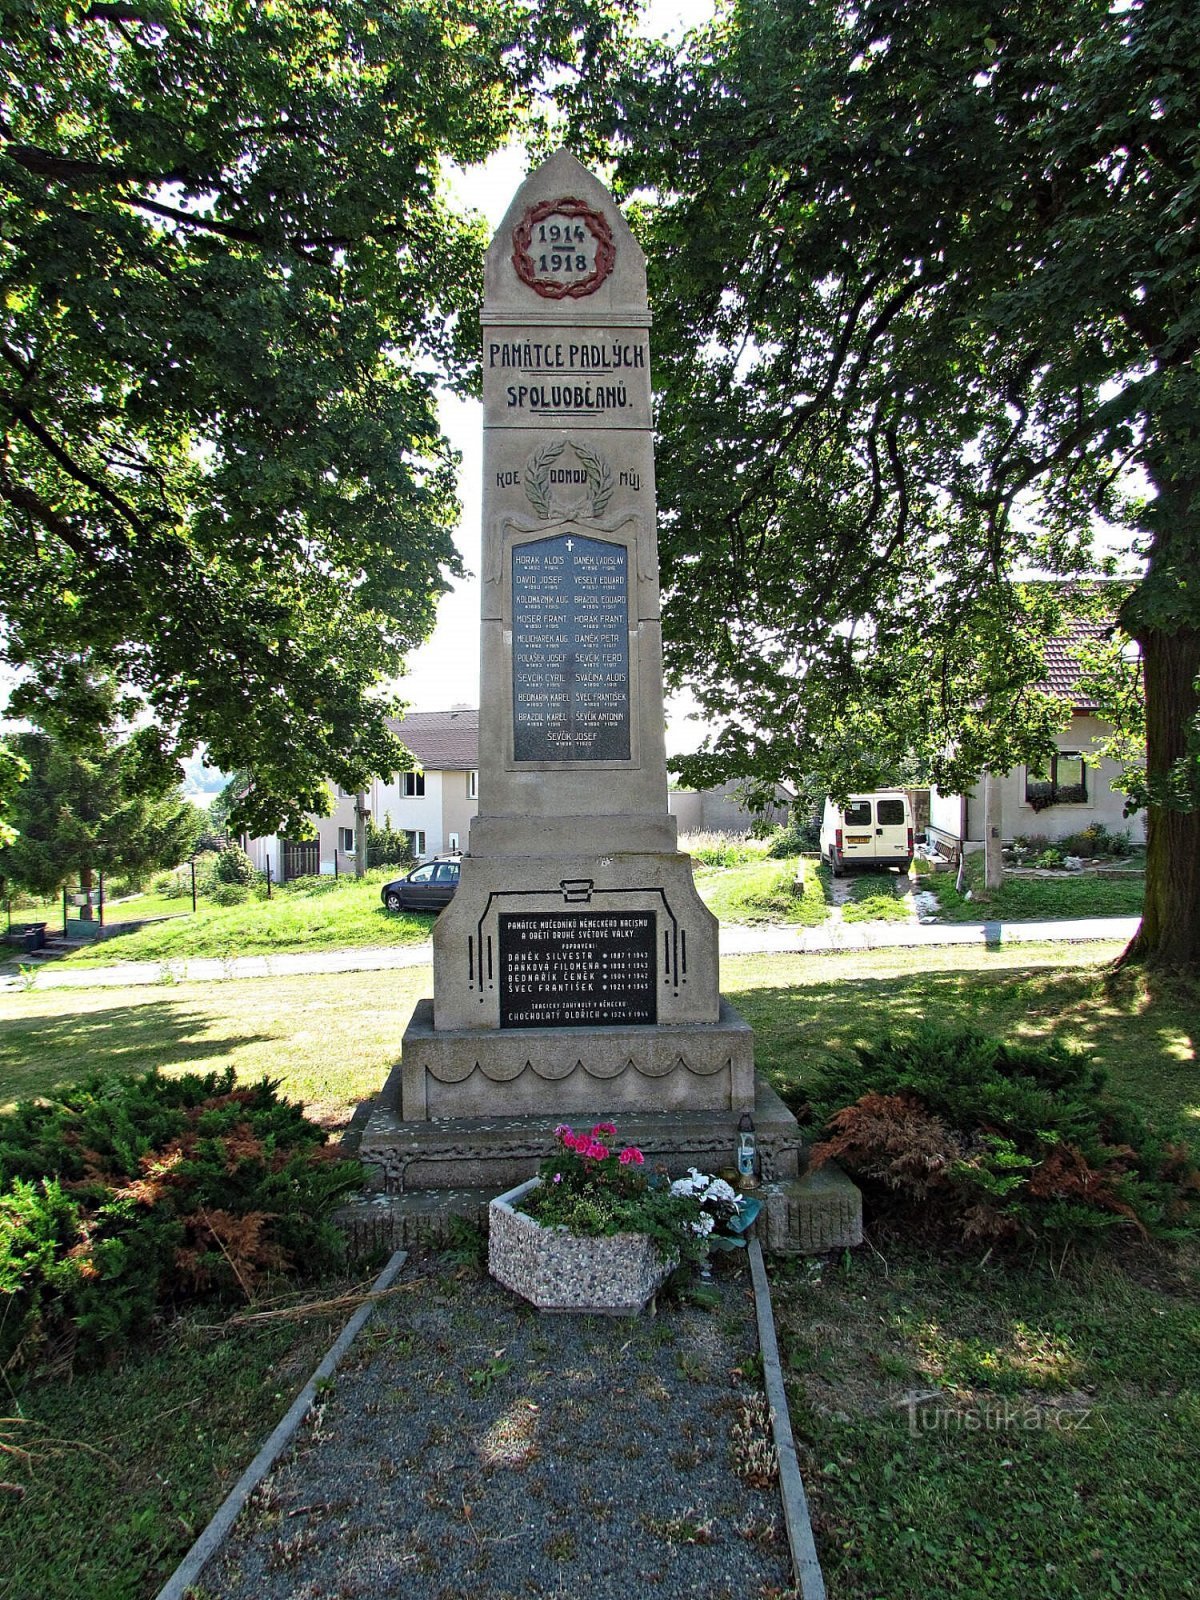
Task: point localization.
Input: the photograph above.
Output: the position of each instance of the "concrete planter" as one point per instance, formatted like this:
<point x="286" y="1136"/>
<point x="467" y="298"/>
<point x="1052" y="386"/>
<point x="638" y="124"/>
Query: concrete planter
<point x="559" y="1271"/>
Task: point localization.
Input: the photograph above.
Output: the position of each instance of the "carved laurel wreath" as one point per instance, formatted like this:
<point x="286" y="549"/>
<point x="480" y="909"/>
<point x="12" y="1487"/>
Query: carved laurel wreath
<point x="597" y="225"/>
<point x="537" y="479"/>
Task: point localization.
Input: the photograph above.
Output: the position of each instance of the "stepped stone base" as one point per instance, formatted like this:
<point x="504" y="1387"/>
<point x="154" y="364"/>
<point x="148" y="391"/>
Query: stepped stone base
<point x="426" y="1174"/>
<point x="558" y="1072"/>
<point x="464" y="1152"/>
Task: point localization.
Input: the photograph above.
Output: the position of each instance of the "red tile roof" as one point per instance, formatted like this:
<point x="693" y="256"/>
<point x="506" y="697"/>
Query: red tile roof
<point x="1063" y="667"/>
<point x="442" y="741"/>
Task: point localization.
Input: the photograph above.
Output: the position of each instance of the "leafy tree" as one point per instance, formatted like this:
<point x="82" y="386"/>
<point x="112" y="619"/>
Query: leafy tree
<point x="229" y="278"/>
<point x="925" y="283"/>
<point x="79" y="814"/>
<point x="12" y="772"/>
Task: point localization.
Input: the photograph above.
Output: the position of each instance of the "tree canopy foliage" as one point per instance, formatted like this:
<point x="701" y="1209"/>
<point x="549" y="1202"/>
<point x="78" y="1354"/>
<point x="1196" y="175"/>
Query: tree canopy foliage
<point x="78" y="814"/>
<point x="230" y="277"/>
<point x="925" y="282"/>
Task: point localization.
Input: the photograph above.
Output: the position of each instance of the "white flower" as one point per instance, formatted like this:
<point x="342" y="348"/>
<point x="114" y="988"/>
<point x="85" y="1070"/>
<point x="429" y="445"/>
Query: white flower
<point x="695" y="1183"/>
<point x="718" y="1189"/>
<point x="703" y="1225"/>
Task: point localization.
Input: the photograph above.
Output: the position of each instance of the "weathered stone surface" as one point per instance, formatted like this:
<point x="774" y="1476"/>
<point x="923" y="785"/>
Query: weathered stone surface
<point x="558" y="1271"/>
<point x="499" y="1151"/>
<point x="567" y="1071"/>
<point x="820" y="1211"/>
<point x="380" y="1223"/>
<point x="468" y="971"/>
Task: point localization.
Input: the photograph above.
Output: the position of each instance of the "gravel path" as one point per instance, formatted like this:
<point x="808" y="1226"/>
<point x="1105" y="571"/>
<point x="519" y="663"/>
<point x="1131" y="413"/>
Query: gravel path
<point x="472" y="1446"/>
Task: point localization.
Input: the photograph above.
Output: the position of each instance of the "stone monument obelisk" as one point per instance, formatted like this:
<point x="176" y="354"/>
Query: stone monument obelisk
<point x="576" y="967"/>
<point x="575" y="970"/>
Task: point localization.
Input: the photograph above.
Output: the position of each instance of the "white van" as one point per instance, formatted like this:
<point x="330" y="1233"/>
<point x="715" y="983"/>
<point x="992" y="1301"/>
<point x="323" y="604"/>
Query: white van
<point x="870" y="830"/>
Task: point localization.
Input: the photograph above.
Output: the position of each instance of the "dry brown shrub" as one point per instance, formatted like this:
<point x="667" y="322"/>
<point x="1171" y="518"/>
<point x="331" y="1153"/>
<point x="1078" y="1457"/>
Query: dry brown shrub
<point x="893" y="1139"/>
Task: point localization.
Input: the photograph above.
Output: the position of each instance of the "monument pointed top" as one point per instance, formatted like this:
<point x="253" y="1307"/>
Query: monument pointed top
<point x="564" y="246"/>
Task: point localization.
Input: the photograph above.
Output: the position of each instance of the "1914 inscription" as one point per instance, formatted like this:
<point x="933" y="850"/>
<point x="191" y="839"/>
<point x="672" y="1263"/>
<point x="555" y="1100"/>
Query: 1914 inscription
<point x="570" y="632"/>
<point x="577" y="969"/>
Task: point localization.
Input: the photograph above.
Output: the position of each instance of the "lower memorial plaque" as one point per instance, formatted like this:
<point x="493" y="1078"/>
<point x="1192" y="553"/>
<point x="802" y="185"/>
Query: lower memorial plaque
<point x="577" y="969"/>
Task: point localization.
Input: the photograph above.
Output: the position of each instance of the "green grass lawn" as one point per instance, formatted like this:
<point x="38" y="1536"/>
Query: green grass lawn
<point x="1070" y="894"/>
<point x="330" y="915"/>
<point x="763" y="891"/>
<point x="878" y="897"/>
<point x="1056" y="1453"/>
<point x="126" y="1465"/>
<point x="331" y="1039"/>
<point x="975" y="1503"/>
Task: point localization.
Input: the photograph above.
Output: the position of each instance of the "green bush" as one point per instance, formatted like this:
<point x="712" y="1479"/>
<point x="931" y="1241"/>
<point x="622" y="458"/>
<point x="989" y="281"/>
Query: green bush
<point x="798" y="838"/>
<point x="388" y="846"/>
<point x="171" y="885"/>
<point x="999" y="1141"/>
<point x="206" y="872"/>
<point x="1096" y="840"/>
<point x="123" y="1199"/>
<point x="235" y="866"/>
<point x="229" y="894"/>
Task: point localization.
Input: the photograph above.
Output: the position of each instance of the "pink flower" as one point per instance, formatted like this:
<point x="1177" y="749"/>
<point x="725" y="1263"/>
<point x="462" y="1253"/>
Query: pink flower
<point x="596" y="1150"/>
<point x="631" y="1156"/>
<point x="604" y="1127"/>
<point x="576" y="1141"/>
<point x="558" y="1177"/>
<point x="563" y="1129"/>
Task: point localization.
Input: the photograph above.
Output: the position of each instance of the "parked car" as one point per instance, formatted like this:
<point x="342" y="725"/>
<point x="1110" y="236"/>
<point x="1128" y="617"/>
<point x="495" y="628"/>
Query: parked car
<point x="426" y="888"/>
<point x="870" y="830"/>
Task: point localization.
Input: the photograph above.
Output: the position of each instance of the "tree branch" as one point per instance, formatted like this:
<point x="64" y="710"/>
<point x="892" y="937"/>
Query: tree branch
<point x="22" y="413"/>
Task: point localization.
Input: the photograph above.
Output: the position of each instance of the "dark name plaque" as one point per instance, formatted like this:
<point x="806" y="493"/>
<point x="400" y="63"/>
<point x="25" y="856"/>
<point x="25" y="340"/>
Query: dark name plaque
<point x="577" y="969"/>
<point x="570" y="653"/>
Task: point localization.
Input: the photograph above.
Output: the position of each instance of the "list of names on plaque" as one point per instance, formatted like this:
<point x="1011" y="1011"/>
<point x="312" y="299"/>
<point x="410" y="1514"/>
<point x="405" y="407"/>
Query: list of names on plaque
<point x="570" y="654"/>
<point x="577" y="969"/>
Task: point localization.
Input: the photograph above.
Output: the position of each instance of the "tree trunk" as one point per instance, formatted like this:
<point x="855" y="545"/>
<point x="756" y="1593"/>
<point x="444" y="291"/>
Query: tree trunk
<point x="1169" y="937"/>
<point x="993" y="832"/>
<point x="86" y="914"/>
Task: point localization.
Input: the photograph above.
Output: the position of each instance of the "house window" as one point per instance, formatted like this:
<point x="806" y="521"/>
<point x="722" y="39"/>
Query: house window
<point x="1064" y="784"/>
<point x="416" y="842"/>
<point x="346" y="840"/>
<point x="472" y="786"/>
<point x="412" y="783"/>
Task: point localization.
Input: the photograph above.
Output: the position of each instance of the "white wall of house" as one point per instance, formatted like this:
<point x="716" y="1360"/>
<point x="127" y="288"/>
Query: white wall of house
<point x="264" y="851"/>
<point x="412" y="813"/>
<point x="1103" y="804"/>
<point x="460" y="802"/>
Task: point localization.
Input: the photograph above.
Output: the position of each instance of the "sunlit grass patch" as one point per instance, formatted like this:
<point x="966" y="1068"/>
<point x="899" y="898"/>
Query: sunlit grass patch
<point x="878" y="897"/>
<point x="765" y="891"/>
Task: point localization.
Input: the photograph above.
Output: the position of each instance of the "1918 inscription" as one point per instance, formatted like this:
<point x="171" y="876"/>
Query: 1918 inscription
<point x="570" y="654"/>
<point x="577" y="969"/>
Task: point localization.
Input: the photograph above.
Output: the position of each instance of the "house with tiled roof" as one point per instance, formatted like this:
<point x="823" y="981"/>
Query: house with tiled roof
<point x="1076" y="788"/>
<point x="433" y="804"/>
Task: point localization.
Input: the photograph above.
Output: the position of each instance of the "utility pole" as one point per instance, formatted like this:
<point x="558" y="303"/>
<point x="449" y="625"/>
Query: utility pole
<point x="993" y="858"/>
<point x="360" y="833"/>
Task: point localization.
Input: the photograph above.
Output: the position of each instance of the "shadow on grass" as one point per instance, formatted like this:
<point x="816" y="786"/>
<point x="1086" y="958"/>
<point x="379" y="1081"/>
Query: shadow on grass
<point x="41" y="1053"/>
<point x="1147" y="1045"/>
